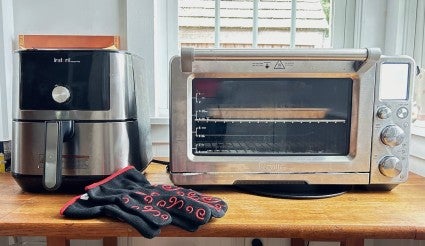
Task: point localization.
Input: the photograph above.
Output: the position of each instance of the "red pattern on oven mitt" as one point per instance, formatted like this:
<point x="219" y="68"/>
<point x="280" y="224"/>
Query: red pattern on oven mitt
<point x="147" y="224"/>
<point x="130" y="190"/>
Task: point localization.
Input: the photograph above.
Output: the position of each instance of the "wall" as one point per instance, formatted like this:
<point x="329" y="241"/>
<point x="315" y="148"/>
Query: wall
<point x="96" y="17"/>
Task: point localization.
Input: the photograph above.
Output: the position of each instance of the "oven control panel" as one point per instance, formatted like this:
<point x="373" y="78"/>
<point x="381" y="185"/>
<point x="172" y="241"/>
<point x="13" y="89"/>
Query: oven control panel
<point x="392" y="120"/>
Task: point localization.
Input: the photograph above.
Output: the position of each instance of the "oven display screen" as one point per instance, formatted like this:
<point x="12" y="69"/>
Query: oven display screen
<point x="394" y="79"/>
<point x="271" y="116"/>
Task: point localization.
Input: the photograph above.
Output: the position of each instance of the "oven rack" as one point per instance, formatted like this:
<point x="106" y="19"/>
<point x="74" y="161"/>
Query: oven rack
<point x="215" y="120"/>
<point x="250" y="148"/>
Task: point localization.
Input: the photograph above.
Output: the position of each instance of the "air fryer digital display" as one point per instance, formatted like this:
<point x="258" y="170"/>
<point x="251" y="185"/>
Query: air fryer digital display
<point x="271" y="116"/>
<point x="85" y="74"/>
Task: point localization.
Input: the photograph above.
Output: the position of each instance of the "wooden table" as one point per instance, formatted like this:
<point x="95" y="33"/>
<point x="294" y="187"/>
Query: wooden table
<point x="350" y="217"/>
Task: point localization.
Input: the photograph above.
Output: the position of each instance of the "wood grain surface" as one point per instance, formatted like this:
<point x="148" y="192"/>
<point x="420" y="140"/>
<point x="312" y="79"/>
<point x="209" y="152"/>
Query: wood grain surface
<point x="29" y="41"/>
<point x="356" y="214"/>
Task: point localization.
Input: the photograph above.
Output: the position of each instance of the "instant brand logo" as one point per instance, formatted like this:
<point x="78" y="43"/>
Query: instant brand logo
<point x="64" y="60"/>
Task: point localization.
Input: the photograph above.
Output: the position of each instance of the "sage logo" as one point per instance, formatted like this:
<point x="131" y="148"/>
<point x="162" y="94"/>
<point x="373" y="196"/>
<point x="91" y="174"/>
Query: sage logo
<point x="271" y="167"/>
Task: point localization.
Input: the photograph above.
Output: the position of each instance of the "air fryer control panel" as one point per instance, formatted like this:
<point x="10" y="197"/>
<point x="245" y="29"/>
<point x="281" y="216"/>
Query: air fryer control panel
<point x="64" y="80"/>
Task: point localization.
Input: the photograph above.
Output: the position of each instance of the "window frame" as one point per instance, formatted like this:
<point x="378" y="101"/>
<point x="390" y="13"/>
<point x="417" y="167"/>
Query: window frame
<point x="6" y="69"/>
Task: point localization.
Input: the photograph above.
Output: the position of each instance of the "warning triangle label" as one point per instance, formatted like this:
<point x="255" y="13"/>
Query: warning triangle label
<point x="279" y="65"/>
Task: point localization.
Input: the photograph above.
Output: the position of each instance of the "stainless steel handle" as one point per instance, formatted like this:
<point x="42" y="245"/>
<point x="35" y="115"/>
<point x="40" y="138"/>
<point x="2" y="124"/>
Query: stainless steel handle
<point x="189" y="55"/>
<point x="56" y="133"/>
<point x="272" y="54"/>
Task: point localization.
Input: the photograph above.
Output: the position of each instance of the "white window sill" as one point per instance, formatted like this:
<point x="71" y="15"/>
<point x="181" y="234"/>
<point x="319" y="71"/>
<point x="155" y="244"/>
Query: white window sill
<point x="160" y="136"/>
<point x="159" y="120"/>
<point x="417" y="148"/>
<point x="418" y="128"/>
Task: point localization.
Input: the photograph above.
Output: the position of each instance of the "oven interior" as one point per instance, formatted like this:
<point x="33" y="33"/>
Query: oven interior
<point x="271" y="116"/>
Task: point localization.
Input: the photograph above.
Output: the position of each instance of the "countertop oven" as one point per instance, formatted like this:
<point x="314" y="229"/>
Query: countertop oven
<point x="312" y="116"/>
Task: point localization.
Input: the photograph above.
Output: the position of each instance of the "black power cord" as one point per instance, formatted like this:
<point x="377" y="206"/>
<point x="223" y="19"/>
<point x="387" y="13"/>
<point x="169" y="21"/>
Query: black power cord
<point x="161" y="162"/>
<point x="256" y="242"/>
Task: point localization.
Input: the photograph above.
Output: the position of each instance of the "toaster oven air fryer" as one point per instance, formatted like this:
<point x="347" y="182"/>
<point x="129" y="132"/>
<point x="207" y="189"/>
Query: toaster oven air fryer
<point x="311" y="116"/>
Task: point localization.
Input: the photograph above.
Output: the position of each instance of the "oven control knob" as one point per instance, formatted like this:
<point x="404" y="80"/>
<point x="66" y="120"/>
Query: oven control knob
<point x="384" y="112"/>
<point x="60" y="94"/>
<point x="392" y="135"/>
<point x="390" y="166"/>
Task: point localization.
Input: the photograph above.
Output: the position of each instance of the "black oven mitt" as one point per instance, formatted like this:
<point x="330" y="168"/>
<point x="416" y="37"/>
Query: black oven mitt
<point x="82" y="207"/>
<point x="129" y="190"/>
<point x="127" y="195"/>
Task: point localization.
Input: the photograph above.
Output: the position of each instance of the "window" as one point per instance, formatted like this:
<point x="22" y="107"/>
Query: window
<point x="415" y="46"/>
<point x="254" y="23"/>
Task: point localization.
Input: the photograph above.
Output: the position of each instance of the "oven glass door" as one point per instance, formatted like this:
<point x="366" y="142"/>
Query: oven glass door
<point x="271" y="116"/>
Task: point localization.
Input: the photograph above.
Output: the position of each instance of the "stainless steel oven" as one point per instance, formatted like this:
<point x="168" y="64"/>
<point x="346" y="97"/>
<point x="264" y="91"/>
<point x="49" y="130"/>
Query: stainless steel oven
<point x="315" y="116"/>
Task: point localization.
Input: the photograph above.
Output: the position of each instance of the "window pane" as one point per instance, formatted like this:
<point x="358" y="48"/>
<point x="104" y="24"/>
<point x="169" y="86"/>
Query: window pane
<point x="196" y="23"/>
<point x="313" y="25"/>
<point x="274" y="24"/>
<point x="236" y="24"/>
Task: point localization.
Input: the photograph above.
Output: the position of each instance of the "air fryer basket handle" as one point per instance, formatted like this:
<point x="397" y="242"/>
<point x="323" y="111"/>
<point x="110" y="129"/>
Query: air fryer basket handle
<point x="56" y="133"/>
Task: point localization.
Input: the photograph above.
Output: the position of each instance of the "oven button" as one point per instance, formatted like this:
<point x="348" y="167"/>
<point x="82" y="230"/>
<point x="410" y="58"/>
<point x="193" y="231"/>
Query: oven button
<point x="402" y="112"/>
<point x="60" y="94"/>
<point x="390" y="166"/>
<point x="384" y="112"/>
<point x="392" y="135"/>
